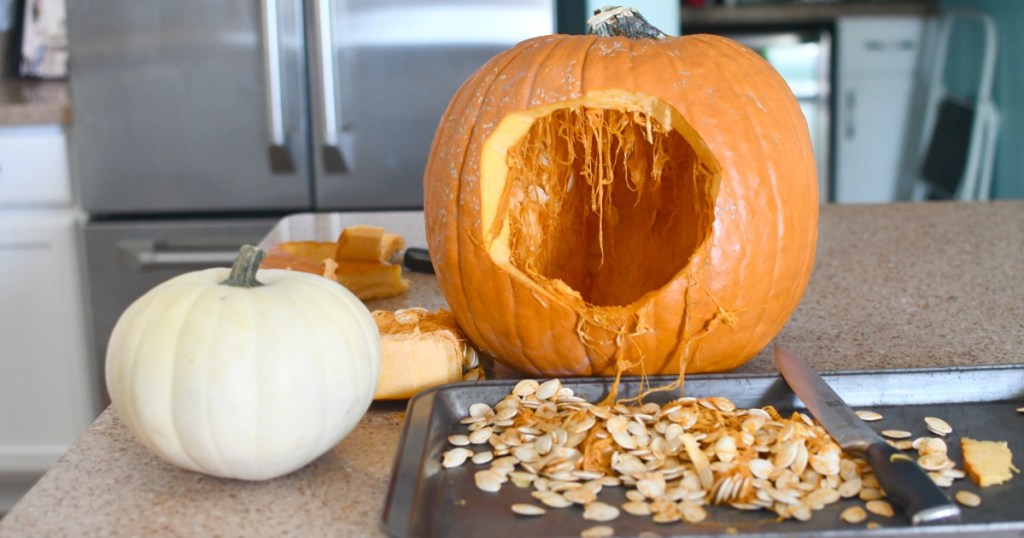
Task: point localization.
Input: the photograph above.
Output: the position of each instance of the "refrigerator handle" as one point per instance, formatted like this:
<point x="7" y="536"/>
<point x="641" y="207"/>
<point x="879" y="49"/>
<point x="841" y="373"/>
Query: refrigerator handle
<point x="280" y="154"/>
<point x="333" y="153"/>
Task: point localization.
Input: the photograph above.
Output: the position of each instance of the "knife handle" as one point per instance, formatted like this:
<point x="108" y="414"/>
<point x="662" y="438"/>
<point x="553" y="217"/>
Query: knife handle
<point x="907" y="486"/>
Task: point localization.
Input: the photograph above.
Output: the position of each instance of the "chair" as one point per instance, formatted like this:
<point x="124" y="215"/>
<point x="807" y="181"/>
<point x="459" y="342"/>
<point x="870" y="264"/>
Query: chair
<point x="954" y="158"/>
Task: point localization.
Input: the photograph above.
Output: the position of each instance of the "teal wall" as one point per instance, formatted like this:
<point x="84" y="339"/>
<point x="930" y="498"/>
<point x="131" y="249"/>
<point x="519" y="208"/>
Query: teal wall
<point x="1008" y="87"/>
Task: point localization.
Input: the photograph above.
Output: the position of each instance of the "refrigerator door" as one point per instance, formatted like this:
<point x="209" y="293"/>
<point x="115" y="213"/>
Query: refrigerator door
<point x="381" y="76"/>
<point x="125" y="259"/>
<point x="189" y="105"/>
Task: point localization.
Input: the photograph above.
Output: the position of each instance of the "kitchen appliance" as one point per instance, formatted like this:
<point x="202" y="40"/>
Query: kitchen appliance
<point x="803" y="57"/>
<point x="199" y="124"/>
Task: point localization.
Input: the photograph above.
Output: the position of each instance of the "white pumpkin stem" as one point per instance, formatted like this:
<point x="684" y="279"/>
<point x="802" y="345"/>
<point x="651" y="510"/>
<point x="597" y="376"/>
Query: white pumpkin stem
<point x="611" y="21"/>
<point x="243" y="271"/>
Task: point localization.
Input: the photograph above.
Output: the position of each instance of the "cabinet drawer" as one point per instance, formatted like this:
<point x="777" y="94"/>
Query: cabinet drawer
<point x="34" y="166"/>
<point x="879" y="45"/>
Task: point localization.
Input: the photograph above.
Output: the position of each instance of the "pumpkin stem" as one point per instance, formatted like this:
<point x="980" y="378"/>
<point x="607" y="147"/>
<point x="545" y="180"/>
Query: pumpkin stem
<point x="243" y="271"/>
<point x="620" y="21"/>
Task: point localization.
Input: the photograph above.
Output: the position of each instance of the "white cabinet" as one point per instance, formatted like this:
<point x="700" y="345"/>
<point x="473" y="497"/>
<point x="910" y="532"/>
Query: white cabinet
<point x="49" y="390"/>
<point x="877" y="60"/>
<point x="34" y="166"/>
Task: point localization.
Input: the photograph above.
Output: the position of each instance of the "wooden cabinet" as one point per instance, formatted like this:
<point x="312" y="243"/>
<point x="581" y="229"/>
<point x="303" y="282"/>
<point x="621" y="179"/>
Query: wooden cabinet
<point x="877" y="65"/>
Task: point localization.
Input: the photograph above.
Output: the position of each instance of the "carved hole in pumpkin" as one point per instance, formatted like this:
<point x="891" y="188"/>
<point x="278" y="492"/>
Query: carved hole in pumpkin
<point x="607" y="201"/>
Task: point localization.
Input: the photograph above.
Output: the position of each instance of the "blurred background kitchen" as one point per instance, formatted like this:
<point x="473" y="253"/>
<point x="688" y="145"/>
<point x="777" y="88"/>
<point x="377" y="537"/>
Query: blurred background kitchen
<point x="139" y="140"/>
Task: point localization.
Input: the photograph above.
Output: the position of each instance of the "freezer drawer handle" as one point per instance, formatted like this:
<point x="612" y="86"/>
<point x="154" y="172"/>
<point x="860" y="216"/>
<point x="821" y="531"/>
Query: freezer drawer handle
<point x="146" y="255"/>
<point x="281" y="160"/>
<point x="333" y="152"/>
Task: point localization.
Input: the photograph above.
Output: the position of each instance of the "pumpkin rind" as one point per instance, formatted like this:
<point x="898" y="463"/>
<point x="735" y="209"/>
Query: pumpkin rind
<point x="742" y="282"/>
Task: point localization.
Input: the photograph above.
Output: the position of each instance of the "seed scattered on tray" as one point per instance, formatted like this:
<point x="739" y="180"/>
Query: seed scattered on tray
<point x="673" y="459"/>
<point x="526" y="509"/>
<point x="938" y="426"/>
<point x="880" y="507"/>
<point x="853" y="514"/>
<point x="1020" y="410"/>
<point x="868" y="416"/>
<point x="968" y="498"/>
<point x="600" y="531"/>
<point x="455" y="457"/>
<point x="599" y="511"/>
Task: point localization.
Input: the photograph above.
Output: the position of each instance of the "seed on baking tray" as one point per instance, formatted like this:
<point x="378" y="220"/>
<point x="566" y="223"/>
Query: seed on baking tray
<point x="880" y="507"/>
<point x="481" y="458"/>
<point x="1020" y="409"/>
<point x="853" y="514"/>
<point x="934" y="462"/>
<point x="455" y="457"/>
<point x="896" y="434"/>
<point x="488" y="480"/>
<point x="672" y="459"/>
<point x="599" y="511"/>
<point x="968" y="498"/>
<point x="548" y="389"/>
<point x="938" y="426"/>
<point x="868" y="416"/>
<point x="637" y="508"/>
<point x="551" y="499"/>
<point x="458" y="439"/>
<point x="599" y="531"/>
<point x="526" y="509"/>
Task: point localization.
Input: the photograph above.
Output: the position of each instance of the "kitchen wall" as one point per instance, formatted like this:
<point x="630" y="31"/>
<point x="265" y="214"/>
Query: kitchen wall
<point x="1008" y="90"/>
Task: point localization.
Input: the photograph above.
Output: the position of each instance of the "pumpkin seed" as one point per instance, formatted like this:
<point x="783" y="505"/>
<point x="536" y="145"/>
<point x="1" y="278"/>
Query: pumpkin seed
<point x="488" y="480"/>
<point x="868" y="416"/>
<point x="896" y="434"/>
<point x="938" y="426"/>
<point x="880" y="507"/>
<point x="526" y="509"/>
<point x="599" y="511"/>
<point x="968" y="498"/>
<point x="853" y="514"/>
<point x="548" y="389"/>
<point x="455" y="457"/>
<point x="600" y="531"/>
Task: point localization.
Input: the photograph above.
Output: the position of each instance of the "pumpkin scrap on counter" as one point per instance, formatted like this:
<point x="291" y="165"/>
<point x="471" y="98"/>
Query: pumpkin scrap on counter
<point x="653" y="213"/>
<point x="421" y="349"/>
<point x="360" y="260"/>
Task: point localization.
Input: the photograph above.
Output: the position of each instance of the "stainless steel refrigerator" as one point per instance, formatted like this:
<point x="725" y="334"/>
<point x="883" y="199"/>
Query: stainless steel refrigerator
<point x="198" y="123"/>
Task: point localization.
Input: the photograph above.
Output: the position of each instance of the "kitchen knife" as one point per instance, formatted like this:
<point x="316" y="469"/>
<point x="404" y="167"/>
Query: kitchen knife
<point x="417" y="259"/>
<point x="904" y="482"/>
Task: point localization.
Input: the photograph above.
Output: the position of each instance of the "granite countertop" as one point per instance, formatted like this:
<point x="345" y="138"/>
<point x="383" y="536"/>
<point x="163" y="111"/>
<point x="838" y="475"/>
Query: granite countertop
<point x="32" y="102"/>
<point x="894" y="286"/>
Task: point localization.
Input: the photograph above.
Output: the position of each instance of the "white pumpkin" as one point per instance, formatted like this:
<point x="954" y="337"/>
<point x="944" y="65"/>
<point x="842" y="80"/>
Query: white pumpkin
<point x="243" y="382"/>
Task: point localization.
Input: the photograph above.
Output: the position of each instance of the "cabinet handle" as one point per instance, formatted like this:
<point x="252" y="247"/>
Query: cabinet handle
<point x="333" y="154"/>
<point x="281" y="160"/>
<point x="148" y="255"/>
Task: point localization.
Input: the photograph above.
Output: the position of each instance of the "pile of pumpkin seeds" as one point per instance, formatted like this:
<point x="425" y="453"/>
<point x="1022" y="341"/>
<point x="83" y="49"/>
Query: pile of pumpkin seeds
<point x="673" y="459"/>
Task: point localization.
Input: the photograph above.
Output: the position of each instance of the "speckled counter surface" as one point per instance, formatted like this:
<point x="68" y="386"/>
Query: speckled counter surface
<point x="895" y="286"/>
<point x="31" y="102"/>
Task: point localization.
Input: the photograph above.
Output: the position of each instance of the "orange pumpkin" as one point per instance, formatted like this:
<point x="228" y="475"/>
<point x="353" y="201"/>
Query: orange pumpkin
<point x="604" y="205"/>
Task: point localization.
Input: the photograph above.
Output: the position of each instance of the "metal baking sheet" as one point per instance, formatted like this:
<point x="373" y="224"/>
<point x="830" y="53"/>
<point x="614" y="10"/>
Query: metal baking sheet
<point x="979" y="402"/>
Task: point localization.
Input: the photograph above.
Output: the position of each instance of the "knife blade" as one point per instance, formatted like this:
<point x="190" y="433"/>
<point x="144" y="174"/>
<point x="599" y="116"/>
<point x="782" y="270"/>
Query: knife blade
<point x="904" y="482"/>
